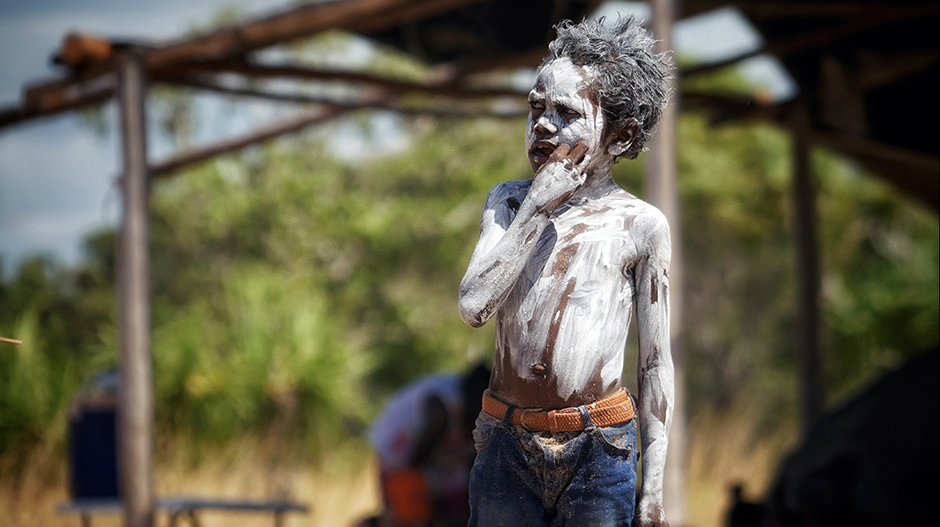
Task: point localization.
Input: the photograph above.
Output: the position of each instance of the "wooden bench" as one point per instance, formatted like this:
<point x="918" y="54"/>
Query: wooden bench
<point x="182" y="507"/>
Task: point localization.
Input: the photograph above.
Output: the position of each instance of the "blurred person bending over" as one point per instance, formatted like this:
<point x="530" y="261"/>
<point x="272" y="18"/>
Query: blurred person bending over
<point x="424" y="443"/>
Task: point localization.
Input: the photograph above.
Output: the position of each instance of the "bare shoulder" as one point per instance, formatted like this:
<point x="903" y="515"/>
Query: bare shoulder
<point x="507" y="192"/>
<point x="648" y="224"/>
<point x="643" y="215"/>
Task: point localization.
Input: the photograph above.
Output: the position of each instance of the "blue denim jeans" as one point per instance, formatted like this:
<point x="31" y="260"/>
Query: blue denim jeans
<point x="527" y="478"/>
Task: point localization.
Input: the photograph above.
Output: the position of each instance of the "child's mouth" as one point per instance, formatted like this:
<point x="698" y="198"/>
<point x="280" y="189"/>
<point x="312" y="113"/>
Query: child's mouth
<point x="540" y="152"/>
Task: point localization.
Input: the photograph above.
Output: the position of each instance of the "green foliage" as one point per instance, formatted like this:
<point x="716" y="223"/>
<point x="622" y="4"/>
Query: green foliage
<point x="727" y="80"/>
<point x="880" y="284"/>
<point x="32" y="414"/>
<point x="879" y="270"/>
<point x="367" y="237"/>
<point x="270" y="359"/>
<point x="293" y="292"/>
<point x="738" y="272"/>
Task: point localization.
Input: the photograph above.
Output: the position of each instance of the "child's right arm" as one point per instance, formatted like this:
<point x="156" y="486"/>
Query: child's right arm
<point x="505" y="246"/>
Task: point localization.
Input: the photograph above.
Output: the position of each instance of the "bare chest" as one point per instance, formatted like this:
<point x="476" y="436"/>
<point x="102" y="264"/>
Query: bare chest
<point x="589" y="245"/>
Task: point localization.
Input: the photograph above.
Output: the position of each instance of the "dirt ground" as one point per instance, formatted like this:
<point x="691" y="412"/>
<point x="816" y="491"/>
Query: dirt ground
<point x="724" y="451"/>
<point x="337" y="493"/>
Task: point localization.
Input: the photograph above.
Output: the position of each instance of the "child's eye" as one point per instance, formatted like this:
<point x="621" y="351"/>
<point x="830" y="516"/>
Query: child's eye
<point x="569" y="114"/>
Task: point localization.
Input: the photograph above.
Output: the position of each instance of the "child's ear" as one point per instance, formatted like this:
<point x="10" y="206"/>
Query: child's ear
<point x="621" y="137"/>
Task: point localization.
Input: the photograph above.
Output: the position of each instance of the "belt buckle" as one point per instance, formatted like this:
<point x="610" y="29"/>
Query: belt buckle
<point x="522" y="418"/>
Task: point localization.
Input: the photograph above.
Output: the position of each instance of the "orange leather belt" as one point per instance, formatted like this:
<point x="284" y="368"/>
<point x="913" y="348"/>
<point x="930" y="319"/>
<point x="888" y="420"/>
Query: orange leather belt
<point x="616" y="409"/>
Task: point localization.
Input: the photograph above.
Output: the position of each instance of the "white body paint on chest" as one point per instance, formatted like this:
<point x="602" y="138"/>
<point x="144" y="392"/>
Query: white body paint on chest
<point x="570" y="309"/>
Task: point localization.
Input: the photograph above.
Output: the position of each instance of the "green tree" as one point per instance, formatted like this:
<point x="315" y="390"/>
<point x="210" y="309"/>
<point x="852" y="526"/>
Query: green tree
<point x="289" y="286"/>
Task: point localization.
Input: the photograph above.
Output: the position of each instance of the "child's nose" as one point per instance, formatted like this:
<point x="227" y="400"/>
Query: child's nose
<point x="543" y="124"/>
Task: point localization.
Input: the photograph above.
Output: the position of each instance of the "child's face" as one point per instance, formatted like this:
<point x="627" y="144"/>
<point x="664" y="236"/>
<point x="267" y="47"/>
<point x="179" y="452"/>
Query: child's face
<point x="563" y="111"/>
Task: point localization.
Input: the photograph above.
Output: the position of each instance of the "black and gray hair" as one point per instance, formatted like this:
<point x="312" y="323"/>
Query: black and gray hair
<point x="631" y="78"/>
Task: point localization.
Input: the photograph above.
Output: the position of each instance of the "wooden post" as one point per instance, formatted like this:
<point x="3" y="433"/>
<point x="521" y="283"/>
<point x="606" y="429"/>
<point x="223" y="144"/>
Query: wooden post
<point x="807" y="267"/>
<point x="662" y="191"/>
<point x="136" y="401"/>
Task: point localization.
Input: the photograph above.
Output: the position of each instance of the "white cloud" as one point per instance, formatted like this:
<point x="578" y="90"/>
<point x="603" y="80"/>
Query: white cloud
<point x="56" y="183"/>
<point x="56" y="236"/>
<point x="56" y="176"/>
<point x="52" y="165"/>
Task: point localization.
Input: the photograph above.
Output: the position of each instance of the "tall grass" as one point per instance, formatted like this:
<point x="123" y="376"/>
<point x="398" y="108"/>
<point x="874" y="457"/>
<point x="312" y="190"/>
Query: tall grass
<point x="336" y="491"/>
<point x="265" y="358"/>
<point x="268" y="359"/>
<point x="34" y="398"/>
<point x="730" y="446"/>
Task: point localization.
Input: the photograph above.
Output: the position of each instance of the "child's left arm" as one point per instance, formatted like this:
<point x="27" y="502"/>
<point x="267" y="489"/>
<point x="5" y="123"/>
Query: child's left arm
<point x="655" y="373"/>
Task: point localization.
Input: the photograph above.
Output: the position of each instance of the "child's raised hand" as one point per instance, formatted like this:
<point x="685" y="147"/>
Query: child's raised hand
<point x="570" y="156"/>
<point x="559" y="177"/>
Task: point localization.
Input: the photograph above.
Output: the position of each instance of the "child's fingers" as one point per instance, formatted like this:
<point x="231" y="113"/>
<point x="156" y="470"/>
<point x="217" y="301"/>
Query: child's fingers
<point x="560" y="153"/>
<point x="577" y="153"/>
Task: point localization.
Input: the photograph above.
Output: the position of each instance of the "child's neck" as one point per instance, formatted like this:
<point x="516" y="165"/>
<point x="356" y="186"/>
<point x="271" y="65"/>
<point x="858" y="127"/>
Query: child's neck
<point x="597" y="184"/>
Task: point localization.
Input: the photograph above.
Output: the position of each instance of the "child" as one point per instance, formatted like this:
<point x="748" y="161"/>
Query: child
<point x="562" y="260"/>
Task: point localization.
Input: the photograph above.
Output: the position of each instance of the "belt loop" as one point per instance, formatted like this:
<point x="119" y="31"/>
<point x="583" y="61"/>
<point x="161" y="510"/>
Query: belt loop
<point x="586" y="417"/>
<point x="553" y="422"/>
<point x="507" y="419"/>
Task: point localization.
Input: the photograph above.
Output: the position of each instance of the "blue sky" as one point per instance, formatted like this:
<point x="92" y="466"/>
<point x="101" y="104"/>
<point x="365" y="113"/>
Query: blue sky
<point x="57" y="174"/>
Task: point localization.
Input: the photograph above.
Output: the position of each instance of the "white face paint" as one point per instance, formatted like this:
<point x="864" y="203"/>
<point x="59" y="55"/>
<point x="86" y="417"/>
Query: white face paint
<point x="563" y="112"/>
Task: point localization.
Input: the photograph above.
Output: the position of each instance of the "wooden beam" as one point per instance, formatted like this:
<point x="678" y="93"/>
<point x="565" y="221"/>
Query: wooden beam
<point x="526" y="59"/>
<point x="876" y="70"/>
<point x="303" y="21"/>
<point x="913" y="172"/>
<point x="377" y="100"/>
<point x="174" y="164"/>
<point x="186" y="72"/>
<point x="723" y="107"/>
<point x="411" y="13"/>
<point x="857" y="10"/>
<point x="48" y="93"/>
<point x="662" y="190"/>
<point x="191" y="157"/>
<point x="769" y="10"/>
<point x="857" y="145"/>
<point x="233" y="42"/>
<point x="821" y="38"/>
<point x="56" y="102"/>
<point x="804" y="219"/>
<point x="296" y="98"/>
<point x="135" y="410"/>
